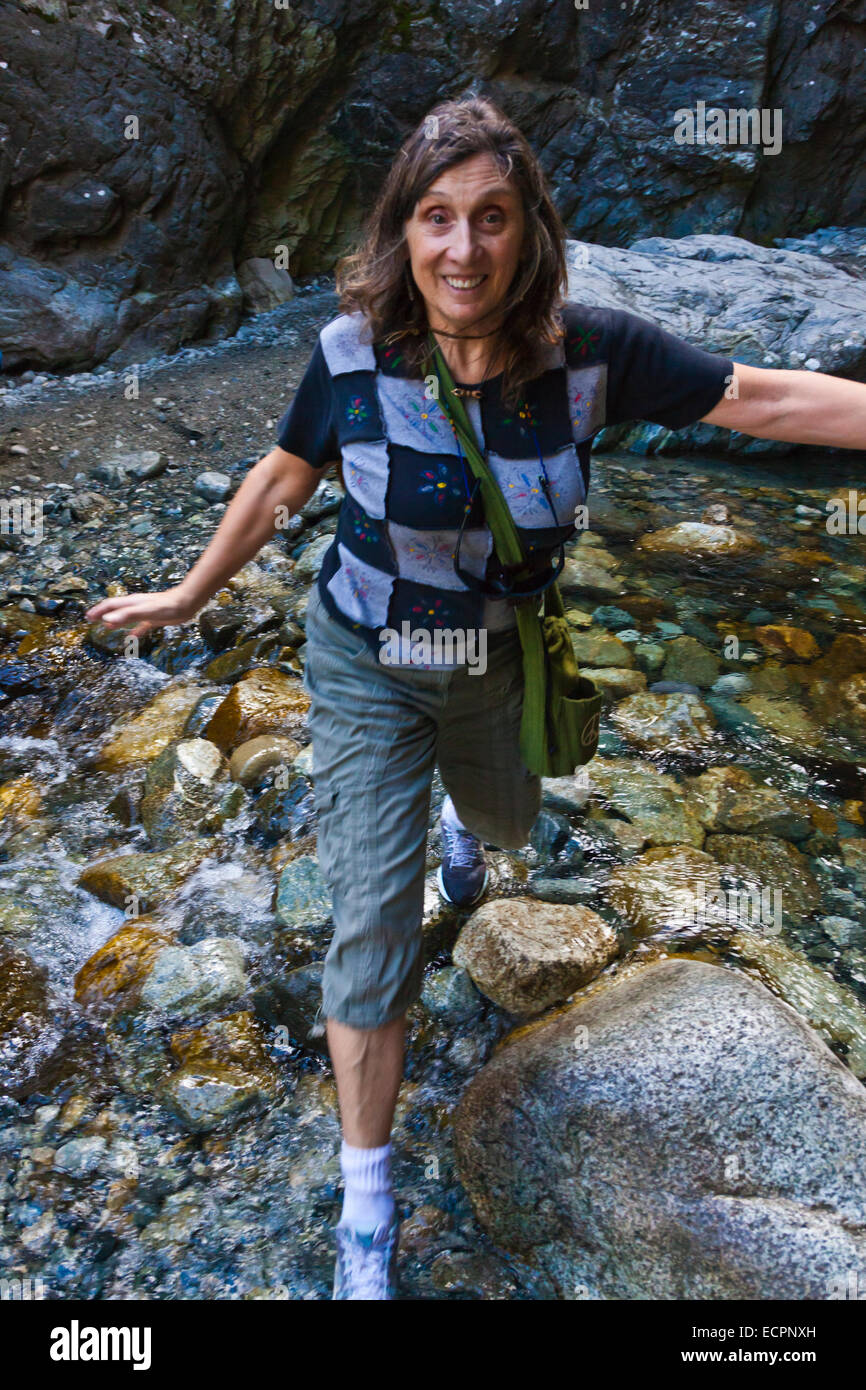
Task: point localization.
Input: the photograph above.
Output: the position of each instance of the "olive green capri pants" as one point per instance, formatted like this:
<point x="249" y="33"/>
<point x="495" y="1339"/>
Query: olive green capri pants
<point x="378" y="732"/>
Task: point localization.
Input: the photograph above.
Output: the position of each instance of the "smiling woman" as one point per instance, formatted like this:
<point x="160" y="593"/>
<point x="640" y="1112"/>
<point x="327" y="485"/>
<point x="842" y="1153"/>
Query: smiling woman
<point x="463" y="248"/>
<point x="464" y="239"/>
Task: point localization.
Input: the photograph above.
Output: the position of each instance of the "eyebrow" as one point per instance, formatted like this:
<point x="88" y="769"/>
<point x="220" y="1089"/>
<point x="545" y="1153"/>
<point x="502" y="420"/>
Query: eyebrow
<point x="496" y="192"/>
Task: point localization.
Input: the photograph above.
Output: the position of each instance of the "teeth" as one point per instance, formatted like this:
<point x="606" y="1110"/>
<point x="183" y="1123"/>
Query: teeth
<point x="464" y="284"/>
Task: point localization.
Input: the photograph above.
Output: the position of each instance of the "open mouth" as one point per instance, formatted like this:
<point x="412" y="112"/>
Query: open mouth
<point x="464" y="282"/>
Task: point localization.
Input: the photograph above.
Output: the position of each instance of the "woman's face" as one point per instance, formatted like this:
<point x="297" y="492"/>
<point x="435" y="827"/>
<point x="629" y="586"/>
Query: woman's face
<point x="464" y="240"/>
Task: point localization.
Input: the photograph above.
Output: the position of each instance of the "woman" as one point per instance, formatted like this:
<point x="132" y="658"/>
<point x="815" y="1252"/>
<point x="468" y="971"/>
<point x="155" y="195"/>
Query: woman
<point x="464" y="240"/>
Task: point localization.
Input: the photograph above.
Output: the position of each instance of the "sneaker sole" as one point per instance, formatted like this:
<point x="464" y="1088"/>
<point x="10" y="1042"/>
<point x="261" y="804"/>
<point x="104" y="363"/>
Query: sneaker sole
<point x="471" y="902"/>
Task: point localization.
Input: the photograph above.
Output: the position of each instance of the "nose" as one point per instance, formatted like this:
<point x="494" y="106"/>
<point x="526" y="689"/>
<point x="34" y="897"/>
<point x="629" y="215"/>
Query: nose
<point x="463" y="241"/>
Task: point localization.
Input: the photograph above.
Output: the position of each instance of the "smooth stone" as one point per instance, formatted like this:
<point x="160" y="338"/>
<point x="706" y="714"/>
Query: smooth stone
<point x="653" y="801"/>
<point x="225" y="1072"/>
<point x="830" y="1007"/>
<point x="598" y="649"/>
<point x="612" y="618"/>
<point x="732" y="683"/>
<point x="634" y="1109"/>
<point x="116" y="971"/>
<point x="526" y="955"/>
<point x="674" y="688"/>
<point x="146" y="879"/>
<point x="81" y="1158"/>
<point x="769" y="864"/>
<point x="143" y="735"/>
<point x="187" y="979"/>
<point x="697" y="539"/>
<point x="793" y="642"/>
<point x="449" y="995"/>
<point x="188" y="791"/>
<point x="213" y="487"/>
<point x="666" y="723"/>
<point x="264" y="701"/>
<point x="614" y="684"/>
<point x="251" y="761"/>
<point x="303" y="898"/>
<point x="728" y="798"/>
<point x="687" y="659"/>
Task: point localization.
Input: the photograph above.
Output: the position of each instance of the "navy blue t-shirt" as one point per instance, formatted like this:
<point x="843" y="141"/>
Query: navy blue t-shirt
<point x="408" y="488"/>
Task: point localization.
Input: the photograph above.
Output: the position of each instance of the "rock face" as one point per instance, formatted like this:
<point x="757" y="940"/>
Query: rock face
<point x="676" y="1134"/>
<point x="526" y="955"/>
<point x="692" y="286"/>
<point x="266" y="134"/>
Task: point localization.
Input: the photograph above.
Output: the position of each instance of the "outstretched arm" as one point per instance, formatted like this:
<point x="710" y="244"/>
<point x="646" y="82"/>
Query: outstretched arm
<point x="800" y="407"/>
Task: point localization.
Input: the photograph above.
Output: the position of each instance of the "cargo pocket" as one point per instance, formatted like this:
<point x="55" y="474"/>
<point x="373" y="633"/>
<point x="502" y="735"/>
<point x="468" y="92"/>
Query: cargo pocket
<point x="324" y="797"/>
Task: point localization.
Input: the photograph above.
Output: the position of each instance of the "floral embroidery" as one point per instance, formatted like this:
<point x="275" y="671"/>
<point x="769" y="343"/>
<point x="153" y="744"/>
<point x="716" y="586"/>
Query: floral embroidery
<point x="440" y="483"/>
<point x="583" y="343"/>
<point x="429" y="555"/>
<point x="426" y="417"/>
<point x="530" y="489"/>
<point x="524" y="420"/>
<point x="362" y="529"/>
<point x="356" y="410"/>
<point x="434" y="609"/>
<point x="361" y="588"/>
<point x="392" y="357"/>
<point x="581" y="407"/>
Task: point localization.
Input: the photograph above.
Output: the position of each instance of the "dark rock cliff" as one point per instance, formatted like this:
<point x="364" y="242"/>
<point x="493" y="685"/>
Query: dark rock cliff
<point x="149" y="152"/>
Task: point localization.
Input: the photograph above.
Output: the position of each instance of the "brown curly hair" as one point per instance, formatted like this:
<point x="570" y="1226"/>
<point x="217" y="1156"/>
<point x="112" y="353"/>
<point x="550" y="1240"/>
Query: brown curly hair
<point x="373" y="279"/>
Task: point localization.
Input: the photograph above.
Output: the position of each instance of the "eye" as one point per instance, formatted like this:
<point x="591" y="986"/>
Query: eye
<point x="433" y="215"/>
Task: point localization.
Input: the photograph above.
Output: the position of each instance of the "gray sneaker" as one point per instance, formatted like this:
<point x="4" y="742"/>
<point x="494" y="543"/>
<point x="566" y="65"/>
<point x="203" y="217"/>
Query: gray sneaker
<point x="366" y="1265"/>
<point x="463" y="873"/>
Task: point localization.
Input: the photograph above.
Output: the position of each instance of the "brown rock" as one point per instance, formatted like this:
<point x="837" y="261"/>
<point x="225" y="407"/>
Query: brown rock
<point x="161" y="721"/>
<point x="147" y="878"/>
<point x="115" y="972"/>
<point x="767" y="864"/>
<point x="526" y="955"/>
<point x="665" y="888"/>
<point x="265" y="701"/>
<point x="793" y="642"/>
<point x="678" y="723"/>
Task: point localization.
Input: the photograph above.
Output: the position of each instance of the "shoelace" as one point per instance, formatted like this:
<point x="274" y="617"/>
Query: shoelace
<point x="464" y="849"/>
<point x="367" y="1268"/>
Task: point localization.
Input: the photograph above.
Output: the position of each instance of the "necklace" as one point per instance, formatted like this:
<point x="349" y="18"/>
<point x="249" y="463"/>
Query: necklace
<point x="473" y="391"/>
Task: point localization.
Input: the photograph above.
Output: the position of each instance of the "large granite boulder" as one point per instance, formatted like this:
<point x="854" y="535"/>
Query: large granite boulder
<point x="676" y="1133"/>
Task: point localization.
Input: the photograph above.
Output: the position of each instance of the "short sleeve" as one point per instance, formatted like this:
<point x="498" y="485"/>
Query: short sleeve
<point x="307" y="427"/>
<point x="653" y="375"/>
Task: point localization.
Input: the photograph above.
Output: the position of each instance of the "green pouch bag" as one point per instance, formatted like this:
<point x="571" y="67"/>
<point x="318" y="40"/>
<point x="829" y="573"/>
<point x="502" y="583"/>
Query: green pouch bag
<point x="561" y="708"/>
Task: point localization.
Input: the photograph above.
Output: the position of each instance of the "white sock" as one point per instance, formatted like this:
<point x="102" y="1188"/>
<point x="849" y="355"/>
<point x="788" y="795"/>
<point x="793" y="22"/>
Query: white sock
<point x="449" y="812"/>
<point x="368" y="1199"/>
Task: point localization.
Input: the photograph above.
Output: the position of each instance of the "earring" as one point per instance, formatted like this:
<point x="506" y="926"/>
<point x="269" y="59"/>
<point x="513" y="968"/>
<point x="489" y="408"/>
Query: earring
<point x="409" y="285"/>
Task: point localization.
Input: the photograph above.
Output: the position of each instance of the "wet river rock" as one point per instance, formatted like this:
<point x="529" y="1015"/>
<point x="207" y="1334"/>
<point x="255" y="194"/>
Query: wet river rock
<point x="526" y="955"/>
<point x="141" y="737"/>
<point x="188" y="790"/>
<point x="147" y="879"/>
<point x="265" y="701"/>
<point x="677" y="1134"/>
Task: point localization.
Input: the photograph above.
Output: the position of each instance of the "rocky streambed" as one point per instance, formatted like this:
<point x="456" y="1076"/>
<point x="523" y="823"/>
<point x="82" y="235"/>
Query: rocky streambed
<point x="636" y="1070"/>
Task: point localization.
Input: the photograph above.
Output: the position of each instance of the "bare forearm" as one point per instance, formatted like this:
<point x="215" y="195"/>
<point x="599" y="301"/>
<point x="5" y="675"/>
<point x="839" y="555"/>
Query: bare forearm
<point x="248" y="523"/>
<point x="822" y="409"/>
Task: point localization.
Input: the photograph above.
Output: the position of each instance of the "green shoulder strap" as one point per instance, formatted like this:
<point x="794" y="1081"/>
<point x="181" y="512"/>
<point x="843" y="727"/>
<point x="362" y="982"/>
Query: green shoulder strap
<point x="509" y="551"/>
